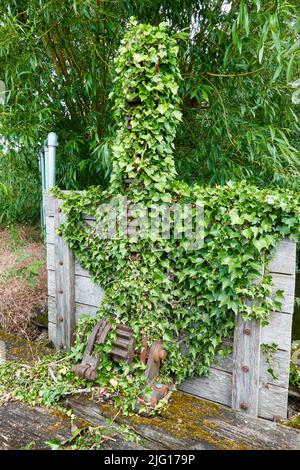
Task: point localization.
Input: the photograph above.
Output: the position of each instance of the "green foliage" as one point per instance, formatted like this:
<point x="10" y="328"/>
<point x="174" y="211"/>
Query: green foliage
<point x="146" y="107"/>
<point x="19" y="189"/>
<point x="239" y="63"/>
<point x="186" y="298"/>
<point x="268" y="350"/>
<point x="294" y="365"/>
<point x="29" y="273"/>
<point x="295" y="375"/>
<point x="44" y="383"/>
<point x="93" y="437"/>
<point x="242" y="122"/>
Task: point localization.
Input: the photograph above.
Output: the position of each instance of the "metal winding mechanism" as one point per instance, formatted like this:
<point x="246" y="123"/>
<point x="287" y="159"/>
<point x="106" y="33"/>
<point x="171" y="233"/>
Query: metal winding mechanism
<point x="122" y="349"/>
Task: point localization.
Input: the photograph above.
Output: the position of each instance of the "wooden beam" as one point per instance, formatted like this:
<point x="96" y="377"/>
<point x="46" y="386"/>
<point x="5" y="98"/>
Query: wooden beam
<point x="246" y="366"/>
<point x="64" y="286"/>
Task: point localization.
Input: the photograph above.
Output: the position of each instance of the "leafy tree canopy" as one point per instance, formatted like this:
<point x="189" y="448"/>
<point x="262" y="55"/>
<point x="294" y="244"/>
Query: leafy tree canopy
<point x="238" y="61"/>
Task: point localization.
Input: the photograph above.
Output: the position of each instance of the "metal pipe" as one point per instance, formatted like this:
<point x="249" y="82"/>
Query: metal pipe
<point x="51" y="146"/>
<point x="47" y="165"/>
<point x="42" y="172"/>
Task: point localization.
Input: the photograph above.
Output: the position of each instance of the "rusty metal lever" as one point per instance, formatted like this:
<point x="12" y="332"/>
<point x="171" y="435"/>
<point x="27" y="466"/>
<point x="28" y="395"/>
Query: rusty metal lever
<point x="88" y="368"/>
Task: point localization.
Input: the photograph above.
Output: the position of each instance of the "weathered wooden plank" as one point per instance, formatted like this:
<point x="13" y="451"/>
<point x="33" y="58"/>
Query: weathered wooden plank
<point x="278" y="330"/>
<point x="50" y="262"/>
<point x="49" y="202"/>
<point x="192" y="423"/>
<point x="216" y="387"/>
<point x="23" y="425"/>
<point x="287" y="284"/>
<point x="52" y="332"/>
<point x="50" y="232"/>
<point x="273" y="402"/>
<point x="64" y="286"/>
<point x="80" y="309"/>
<point x="280" y="359"/>
<point x="246" y="366"/>
<point x="279" y="363"/>
<point x="50" y="256"/>
<point x="79" y="271"/>
<point x="86" y="292"/>
<point x="284" y="260"/>
<point x="51" y="283"/>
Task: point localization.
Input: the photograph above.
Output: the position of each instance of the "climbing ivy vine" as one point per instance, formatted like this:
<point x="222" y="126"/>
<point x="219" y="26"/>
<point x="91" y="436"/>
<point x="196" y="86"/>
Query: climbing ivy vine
<point x="160" y="287"/>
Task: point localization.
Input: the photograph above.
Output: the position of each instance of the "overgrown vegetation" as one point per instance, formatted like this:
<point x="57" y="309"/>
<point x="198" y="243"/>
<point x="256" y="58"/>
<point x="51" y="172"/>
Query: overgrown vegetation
<point x="295" y="369"/>
<point x="238" y="63"/>
<point x="23" y="279"/>
<point x="93" y="438"/>
<point x="156" y="285"/>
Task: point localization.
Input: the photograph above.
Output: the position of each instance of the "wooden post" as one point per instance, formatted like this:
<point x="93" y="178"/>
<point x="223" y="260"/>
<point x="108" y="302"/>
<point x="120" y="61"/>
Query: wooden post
<point x="246" y="366"/>
<point x="64" y="286"/>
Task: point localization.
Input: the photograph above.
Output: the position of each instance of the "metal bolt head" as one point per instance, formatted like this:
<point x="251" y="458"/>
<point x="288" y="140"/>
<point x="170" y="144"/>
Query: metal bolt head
<point x="60" y="291"/>
<point x="61" y="319"/>
<point x="245" y="369"/>
<point x="247" y="331"/>
<point x="244" y="406"/>
<point x="61" y="263"/>
<point x="59" y="210"/>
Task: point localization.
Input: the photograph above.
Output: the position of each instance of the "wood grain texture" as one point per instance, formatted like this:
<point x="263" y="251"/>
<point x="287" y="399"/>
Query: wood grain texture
<point x="52" y="332"/>
<point x="279" y="364"/>
<point x="23" y="425"/>
<point x="216" y="387"/>
<point x="64" y="286"/>
<point x="50" y="231"/>
<point x="284" y="260"/>
<point x="286" y="283"/>
<point x="246" y="354"/>
<point x="86" y="292"/>
<point x="80" y="309"/>
<point x="278" y="331"/>
<point x="273" y="402"/>
<point x="192" y="423"/>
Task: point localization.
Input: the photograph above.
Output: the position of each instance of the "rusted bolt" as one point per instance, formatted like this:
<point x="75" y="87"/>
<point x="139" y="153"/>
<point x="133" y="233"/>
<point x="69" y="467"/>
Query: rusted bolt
<point x="60" y="291"/>
<point x="245" y="369"/>
<point x="59" y="210"/>
<point x="61" y="263"/>
<point x="247" y="331"/>
<point x="61" y="346"/>
<point x="244" y="406"/>
<point x="61" y="319"/>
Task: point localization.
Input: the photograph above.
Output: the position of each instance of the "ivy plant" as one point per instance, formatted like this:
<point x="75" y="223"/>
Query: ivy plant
<point x="186" y="298"/>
